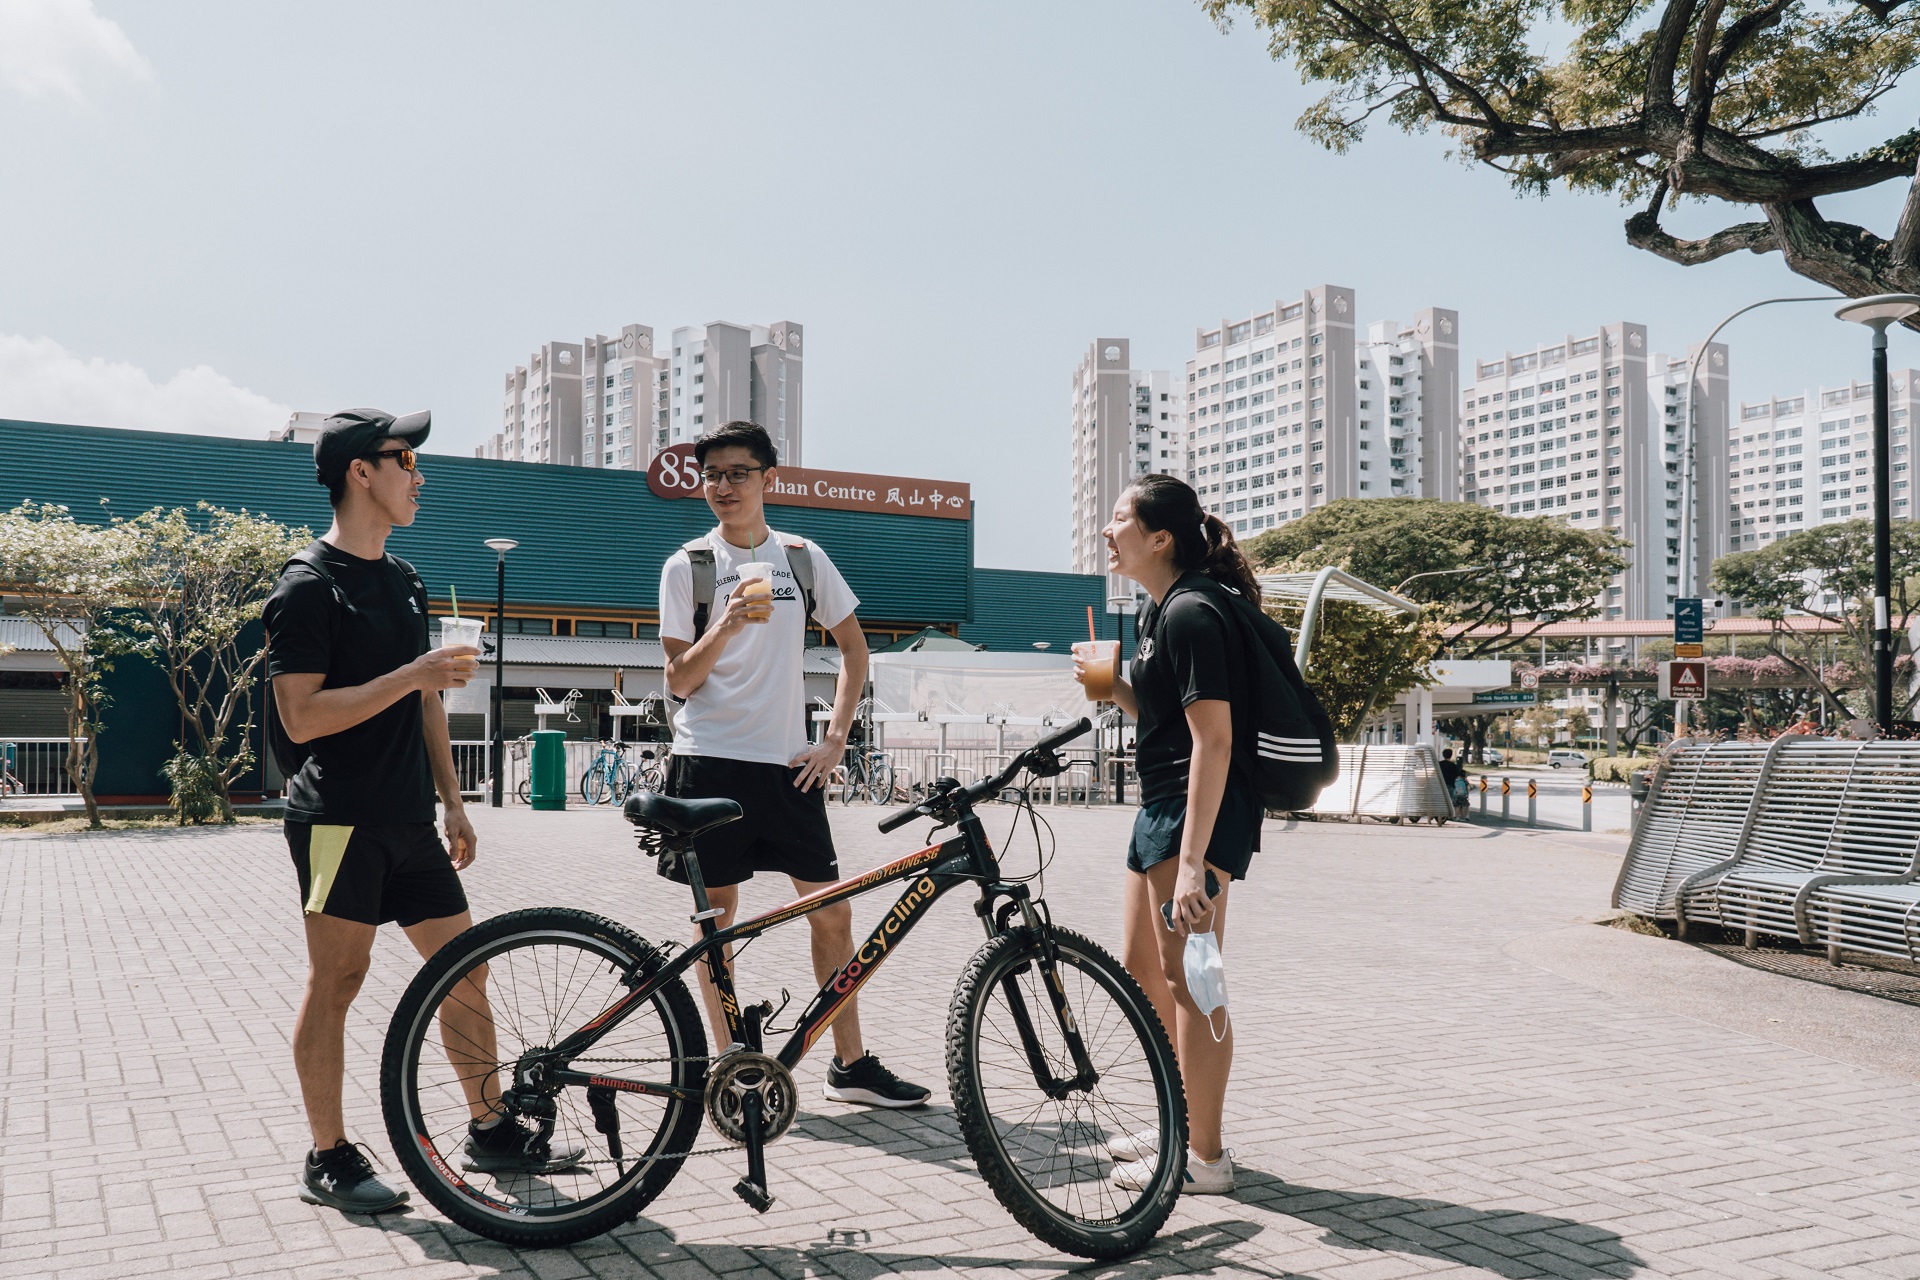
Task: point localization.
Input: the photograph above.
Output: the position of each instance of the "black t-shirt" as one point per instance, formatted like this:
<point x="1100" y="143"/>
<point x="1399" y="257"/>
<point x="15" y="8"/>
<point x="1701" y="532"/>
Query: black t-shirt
<point x="375" y="773"/>
<point x="1183" y="658"/>
<point x="1451" y="772"/>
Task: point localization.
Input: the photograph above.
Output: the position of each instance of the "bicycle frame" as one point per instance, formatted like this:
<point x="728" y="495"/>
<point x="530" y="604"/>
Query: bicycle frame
<point x="964" y="858"/>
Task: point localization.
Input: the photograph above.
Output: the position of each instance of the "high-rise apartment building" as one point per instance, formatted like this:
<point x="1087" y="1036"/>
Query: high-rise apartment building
<point x="1289" y="409"/>
<point x="615" y="401"/>
<point x="722" y="372"/>
<point x="1803" y="460"/>
<point x="1592" y="430"/>
<point x="1126" y="423"/>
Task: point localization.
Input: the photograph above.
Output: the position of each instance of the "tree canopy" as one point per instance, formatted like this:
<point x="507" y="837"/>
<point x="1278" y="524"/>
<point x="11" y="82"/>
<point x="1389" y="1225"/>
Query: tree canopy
<point x="1708" y="100"/>
<point x="1478" y="568"/>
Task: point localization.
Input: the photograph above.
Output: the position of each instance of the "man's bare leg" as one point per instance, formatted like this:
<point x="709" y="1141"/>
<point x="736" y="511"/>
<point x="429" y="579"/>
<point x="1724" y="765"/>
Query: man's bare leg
<point x="832" y="947"/>
<point x="466" y="1017"/>
<point x="337" y="954"/>
<point x="727" y="899"/>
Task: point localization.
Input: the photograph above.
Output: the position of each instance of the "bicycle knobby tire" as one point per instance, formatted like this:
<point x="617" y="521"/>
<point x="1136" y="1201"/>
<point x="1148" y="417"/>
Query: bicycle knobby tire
<point x="652" y="1157"/>
<point x="1084" y="1214"/>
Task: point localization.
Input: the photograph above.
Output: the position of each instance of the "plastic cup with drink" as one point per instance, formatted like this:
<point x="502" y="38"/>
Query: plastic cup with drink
<point x="1099" y="663"/>
<point x="756" y="588"/>
<point x="470" y="698"/>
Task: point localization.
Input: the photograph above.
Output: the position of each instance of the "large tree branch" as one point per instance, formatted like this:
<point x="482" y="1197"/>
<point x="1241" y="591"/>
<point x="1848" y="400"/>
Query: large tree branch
<point x="1645" y="232"/>
<point x="1905" y="245"/>
<point x="1665" y="55"/>
<point x="1702" y="82"/>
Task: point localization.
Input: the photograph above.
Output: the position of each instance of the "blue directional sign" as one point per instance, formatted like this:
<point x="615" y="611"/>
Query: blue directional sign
<point x="1688" y="624"/>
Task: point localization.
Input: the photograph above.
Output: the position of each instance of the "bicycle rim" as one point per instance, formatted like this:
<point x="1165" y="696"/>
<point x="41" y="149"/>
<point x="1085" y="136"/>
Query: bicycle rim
<point x="593" y="787"/>
<point x="1045" y="1157"/>
<point x="540" y="984"/>
<point x="879" y="782"/>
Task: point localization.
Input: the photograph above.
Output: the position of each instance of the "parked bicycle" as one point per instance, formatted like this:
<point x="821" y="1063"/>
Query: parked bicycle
<point x="611" y="775"/>
<point x="868" y="775"/>
<point x="1052" y="1049"/>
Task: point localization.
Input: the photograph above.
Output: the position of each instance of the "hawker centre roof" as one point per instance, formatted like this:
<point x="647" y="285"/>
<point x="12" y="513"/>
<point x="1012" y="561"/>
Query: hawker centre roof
<point x="589" y="539"/>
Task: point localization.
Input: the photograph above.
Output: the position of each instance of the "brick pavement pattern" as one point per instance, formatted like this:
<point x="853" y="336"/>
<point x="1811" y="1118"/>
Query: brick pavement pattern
<point x="1410" y="1098"/>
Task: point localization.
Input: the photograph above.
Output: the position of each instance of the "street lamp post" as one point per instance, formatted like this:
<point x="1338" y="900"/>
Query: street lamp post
<point x="500" y="547"/>
<point x="1877" y="313"/>
<point x="1120" y="603"/>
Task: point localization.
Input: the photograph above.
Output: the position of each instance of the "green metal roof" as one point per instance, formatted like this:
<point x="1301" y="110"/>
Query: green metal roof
<point x="1015" y="607"/>
<point x="588" y="538"/>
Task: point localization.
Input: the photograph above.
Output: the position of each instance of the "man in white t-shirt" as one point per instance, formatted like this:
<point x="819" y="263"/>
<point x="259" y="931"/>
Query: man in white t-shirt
<point x="741" y="732"/>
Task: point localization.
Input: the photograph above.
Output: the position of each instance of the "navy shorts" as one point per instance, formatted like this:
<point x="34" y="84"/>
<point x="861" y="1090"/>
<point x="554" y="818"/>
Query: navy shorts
<point x="781" y="828"/>
<point x="1236" y="831"/>
<point x="374" y="874"/>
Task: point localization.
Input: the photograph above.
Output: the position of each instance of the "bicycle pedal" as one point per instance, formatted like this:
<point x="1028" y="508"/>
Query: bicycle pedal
<point x="757" y="1197"/>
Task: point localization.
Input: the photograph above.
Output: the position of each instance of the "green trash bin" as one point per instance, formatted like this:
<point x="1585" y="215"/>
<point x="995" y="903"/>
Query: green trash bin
<point x="549" y="789"/>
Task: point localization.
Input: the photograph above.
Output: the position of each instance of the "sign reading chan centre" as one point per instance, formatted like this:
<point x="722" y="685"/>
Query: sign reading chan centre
<point x="673" y="473"/>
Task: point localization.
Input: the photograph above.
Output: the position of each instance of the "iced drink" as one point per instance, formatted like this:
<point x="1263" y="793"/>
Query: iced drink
<point x="756" y="588"/>
<point x="1100" y="663"/>
<point x="471" y="698"/>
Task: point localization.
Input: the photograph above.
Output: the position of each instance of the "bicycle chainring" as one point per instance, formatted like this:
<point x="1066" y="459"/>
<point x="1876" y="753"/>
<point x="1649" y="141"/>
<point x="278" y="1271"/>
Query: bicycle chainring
<point x="736" y="1075"/>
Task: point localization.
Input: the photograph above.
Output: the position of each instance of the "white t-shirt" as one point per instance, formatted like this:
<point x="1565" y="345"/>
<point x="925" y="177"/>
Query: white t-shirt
<point x="753" y="706"/>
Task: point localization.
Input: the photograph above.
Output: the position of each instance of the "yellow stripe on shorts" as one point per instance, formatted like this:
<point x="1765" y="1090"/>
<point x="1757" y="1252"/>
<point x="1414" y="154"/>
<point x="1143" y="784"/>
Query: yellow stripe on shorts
<point x="325" y="849"/>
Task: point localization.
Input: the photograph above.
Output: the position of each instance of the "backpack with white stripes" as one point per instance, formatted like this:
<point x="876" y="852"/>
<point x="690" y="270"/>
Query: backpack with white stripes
<point x="1282" y="736"/>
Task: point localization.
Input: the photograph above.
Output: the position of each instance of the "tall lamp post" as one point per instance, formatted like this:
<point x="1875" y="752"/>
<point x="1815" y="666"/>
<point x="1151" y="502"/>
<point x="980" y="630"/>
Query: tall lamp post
<point x="500" y="547"/>
<point x="1122" y="603"/>
<point x="1877" y="313"/>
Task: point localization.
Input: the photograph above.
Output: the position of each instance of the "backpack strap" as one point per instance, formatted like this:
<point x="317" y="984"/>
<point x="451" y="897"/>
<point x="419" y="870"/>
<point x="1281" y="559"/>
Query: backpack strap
<point x="800" y="562"/>
<point x="700" y="557"/>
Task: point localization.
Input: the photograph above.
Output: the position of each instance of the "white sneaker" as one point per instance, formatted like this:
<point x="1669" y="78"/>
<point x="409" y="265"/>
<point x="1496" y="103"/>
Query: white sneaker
<point x="1201" y="1179"/>
<point x="1133" y="1146"/>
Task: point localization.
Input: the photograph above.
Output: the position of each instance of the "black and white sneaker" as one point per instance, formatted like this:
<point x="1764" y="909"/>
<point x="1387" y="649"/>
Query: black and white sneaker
<point x="512" y="1147"/>
<point x="341" y="1178"/>
<point x="867" y="1082"/>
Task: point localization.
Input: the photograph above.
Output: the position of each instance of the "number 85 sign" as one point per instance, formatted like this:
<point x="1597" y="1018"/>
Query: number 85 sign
<point x="673" y="473"/>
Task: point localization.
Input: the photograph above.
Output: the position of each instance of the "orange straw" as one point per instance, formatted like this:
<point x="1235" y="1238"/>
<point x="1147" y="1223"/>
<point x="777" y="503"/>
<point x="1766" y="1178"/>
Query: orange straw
<point x="1091" y="633"/>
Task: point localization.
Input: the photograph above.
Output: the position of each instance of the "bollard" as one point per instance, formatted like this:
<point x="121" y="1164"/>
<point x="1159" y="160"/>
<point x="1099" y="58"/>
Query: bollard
<point x="1586" y="807"/>
<point x="1506" y="799"/>
<point x="1533" y="792"/>
<point x="1483" y="795"/>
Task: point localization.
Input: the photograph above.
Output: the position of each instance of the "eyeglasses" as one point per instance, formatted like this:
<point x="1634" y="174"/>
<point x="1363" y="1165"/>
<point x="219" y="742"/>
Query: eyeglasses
<point x="732" y="475"/>
<point x="402" y="456"/>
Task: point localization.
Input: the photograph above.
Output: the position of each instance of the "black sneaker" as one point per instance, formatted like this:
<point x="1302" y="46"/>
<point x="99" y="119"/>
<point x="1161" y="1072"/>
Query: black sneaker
<point x="512" y="1147"/>
<point x="866" y="1081"/>
<point x="341" y="1178"/>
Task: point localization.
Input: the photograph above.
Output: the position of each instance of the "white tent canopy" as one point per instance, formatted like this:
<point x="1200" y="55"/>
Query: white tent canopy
<point x="959" y="699"/>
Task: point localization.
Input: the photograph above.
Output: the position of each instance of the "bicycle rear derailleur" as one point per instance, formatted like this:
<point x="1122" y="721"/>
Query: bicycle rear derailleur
<point x="751" y="1101"/>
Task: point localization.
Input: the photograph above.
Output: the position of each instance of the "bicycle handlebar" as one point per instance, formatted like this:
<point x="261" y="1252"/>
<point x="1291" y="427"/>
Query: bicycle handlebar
<point x="986" y="789"/>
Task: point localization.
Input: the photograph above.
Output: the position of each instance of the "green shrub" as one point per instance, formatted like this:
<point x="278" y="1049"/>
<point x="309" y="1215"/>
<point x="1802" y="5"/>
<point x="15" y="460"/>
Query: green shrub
<point x="196" y="789"/>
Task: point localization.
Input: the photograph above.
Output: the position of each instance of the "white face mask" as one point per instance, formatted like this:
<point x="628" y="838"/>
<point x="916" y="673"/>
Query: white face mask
<point x="1207" y="978"/>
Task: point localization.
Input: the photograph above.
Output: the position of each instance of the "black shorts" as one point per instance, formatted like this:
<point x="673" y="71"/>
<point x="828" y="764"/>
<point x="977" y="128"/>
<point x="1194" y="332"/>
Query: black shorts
<point x="1236" y="831"/>
<point x="398" y="872"/>
<point x="781" y="828"/>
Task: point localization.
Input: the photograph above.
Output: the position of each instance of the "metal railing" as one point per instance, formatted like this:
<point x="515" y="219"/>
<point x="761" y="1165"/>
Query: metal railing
<point x="35" y="767"/>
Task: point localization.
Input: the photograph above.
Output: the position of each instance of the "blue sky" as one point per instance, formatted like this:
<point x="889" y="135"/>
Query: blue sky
<point x="219" y="210"/>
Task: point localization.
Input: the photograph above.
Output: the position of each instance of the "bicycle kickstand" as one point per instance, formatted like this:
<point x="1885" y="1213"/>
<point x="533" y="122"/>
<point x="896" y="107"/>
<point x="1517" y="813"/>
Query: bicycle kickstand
<point x="753" y="1187"/>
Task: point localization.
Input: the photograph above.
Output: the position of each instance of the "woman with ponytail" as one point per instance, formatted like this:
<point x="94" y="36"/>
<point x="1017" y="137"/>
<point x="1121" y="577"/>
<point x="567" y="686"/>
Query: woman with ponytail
<point x="1199" y="819"/>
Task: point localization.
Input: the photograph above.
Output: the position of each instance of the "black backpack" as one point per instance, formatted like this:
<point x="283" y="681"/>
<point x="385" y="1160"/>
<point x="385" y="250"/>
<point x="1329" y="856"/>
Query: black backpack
<point x="1282" y="736"/>
<point x="292" y="756"/>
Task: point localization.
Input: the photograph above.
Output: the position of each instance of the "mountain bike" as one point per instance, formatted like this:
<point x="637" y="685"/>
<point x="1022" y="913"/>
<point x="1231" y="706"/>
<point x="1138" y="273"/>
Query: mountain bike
<point x="611" y="775"/>
<point x="869" y="774"/>
<point x="1052" y="1049"/>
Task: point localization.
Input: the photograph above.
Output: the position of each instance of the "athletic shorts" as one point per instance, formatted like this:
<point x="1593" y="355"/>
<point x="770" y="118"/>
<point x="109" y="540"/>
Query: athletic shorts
<point x="781" y="828"/>
<point x="398" y="872"/>
<point x="1236" y="832"/>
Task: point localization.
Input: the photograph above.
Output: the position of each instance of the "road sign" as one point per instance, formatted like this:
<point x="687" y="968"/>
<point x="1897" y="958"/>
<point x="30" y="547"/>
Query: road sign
<point x="1689" y="650"/>
<point x="1683" y="680"/>
<point x="1529" y="679"/>
<point x="1494" y="696"/>
<point x="1688" y="621"/>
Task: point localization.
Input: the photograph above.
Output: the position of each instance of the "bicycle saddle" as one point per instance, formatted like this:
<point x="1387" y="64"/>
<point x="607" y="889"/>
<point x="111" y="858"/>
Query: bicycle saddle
<point x="678" y="817"/>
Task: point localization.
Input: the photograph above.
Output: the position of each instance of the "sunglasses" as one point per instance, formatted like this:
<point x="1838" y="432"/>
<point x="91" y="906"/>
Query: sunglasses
<point x="403" y="456"/>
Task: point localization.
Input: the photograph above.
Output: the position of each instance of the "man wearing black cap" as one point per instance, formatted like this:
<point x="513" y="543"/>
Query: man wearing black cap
<point x="352" y="672"/>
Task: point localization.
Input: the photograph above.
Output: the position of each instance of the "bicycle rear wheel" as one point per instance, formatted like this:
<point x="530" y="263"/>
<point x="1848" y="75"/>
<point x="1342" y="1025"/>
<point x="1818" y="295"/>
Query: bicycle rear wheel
<point x="1044" y="1151"/>
<point x="524" y="981"/>
<point x="593" y="785"/>
<point x="879" y="780"/>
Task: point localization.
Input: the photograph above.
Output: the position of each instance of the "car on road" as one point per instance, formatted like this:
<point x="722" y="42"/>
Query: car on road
<point x="1493" y="756"/>
<point x="1560" y="756"/>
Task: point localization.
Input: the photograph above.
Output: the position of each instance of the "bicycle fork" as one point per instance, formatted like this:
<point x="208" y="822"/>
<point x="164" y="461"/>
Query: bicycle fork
<point x="1084" y="1077"/>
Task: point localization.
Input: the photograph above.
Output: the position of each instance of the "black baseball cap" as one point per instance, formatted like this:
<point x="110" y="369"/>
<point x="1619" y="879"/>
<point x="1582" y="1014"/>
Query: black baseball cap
<point x="355" y="433"/>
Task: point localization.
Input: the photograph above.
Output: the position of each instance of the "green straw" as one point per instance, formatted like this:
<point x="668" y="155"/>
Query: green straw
<point x="455" y="593"/>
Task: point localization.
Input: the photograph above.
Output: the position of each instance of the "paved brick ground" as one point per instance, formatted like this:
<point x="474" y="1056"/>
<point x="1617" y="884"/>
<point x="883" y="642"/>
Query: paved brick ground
<point x="1412" y="1098"/>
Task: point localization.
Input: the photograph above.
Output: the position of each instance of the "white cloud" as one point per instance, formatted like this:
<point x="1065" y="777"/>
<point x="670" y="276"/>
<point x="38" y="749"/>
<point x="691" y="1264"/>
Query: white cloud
<point x="41" y="381"/>
<point x="54" y="48"/>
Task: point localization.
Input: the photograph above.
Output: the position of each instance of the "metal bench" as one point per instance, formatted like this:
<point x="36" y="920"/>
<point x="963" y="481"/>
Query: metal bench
<point x="1393" y="783"/>
<point x="1694" y="815"/>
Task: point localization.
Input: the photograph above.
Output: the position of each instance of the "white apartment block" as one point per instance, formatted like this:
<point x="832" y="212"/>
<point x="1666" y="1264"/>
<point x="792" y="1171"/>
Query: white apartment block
<point x="614" y="402"/>
<point x="1289" y="409"/>
<point x="1592" y="430"/>
<point x="1126" y="423"/>
<point x="1795" y="462"/>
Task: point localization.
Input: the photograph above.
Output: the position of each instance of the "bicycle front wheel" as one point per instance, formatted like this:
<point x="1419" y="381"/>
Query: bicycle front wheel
<point x="1042" y="1147"/>
<point x="489" y="1002"/>
<point x="593" y="785"/>
<point x="879" y="781"/>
